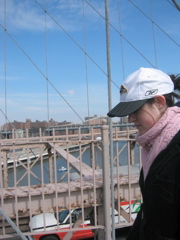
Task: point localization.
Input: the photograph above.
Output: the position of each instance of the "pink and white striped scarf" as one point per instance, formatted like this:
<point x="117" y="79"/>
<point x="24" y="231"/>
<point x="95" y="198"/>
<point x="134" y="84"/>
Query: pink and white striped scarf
<point x="158" y="137"/>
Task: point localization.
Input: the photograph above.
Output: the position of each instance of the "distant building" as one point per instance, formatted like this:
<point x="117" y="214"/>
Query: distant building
<point x="95" y="120"/>
<point x="25" y="125"/>
<point x="57" y="128"/>
<point x="33" y="127"/>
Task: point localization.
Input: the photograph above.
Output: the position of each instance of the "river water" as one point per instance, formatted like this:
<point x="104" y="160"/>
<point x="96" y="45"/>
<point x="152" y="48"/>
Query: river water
<point x="60" y="162"/>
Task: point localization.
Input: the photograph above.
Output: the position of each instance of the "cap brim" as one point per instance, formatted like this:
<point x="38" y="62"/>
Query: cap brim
<point x="123" y="109"/>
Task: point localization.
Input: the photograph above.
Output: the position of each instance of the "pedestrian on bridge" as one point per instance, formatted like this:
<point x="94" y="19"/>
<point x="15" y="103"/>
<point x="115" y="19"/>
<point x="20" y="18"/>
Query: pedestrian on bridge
<point x="149" y="97"/>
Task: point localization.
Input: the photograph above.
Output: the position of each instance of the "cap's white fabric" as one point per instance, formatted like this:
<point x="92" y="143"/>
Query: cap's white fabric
<point x="140" y="86"/>
<point x="145" y="83"/>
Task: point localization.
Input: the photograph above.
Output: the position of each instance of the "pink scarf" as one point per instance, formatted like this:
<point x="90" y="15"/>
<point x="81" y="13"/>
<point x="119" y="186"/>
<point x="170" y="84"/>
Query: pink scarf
<point x="158" y="137"/>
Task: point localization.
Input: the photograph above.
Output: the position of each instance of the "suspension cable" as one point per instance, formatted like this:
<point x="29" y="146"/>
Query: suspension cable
<point x="46" y="49"/>
<point x="121" y="42"/>
<point x="5" y="67"/>
<point x="153" y="34"/>
<point x="17" y="44"/>
<point x="177" y="5"/>
<point x="84" y="50"/>
<point x="154" y="23"/>
<point x="85" y="56"/>
<point x="126" y="38"/>
<point x="121" y="35"/>
<point x="170" y="2"/>
<point x="81" y="48"/>
<point x="5" y="78"/>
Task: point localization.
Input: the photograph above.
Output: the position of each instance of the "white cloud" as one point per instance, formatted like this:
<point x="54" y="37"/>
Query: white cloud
<point x="23" y="15"/>
<point x="29" y="15"/>
<point x="71" y="92"/>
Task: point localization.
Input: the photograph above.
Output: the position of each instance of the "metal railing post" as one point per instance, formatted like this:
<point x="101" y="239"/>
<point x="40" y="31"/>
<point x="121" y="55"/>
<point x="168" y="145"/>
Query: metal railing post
<point x="106" y="181"/>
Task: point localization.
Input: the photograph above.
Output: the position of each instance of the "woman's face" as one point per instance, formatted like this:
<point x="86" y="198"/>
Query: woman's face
<point x="146" y="116"/>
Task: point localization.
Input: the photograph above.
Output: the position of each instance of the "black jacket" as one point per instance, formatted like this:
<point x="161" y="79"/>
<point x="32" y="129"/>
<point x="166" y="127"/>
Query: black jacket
<point x="159" y="213"/>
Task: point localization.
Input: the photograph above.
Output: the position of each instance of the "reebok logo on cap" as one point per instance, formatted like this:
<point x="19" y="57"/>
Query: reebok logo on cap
<point x="151" y="92"/>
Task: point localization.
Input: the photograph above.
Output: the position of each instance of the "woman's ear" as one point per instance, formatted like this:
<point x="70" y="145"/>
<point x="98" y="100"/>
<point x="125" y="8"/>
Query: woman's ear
<point x="160" y="102"/>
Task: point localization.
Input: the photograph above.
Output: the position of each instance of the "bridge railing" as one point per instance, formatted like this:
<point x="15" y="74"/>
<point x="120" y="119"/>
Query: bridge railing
<point x="67" y="172"/>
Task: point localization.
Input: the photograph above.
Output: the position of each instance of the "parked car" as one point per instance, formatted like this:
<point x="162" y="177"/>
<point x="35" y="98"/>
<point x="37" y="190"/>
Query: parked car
<point x="48" y="221"/>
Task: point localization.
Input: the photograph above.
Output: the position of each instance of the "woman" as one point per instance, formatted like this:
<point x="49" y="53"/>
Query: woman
<point x="147" y="97"/>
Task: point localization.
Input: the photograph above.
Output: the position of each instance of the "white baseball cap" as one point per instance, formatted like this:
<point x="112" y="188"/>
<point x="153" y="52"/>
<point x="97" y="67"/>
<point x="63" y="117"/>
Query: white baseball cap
<point x="140" y="86"/>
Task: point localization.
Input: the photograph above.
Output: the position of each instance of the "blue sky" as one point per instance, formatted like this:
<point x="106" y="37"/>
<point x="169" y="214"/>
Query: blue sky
<point x="67" y="46"/>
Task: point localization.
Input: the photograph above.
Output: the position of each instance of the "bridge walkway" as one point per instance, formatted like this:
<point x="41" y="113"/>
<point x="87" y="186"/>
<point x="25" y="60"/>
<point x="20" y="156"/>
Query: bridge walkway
<point x="87" y="187"/>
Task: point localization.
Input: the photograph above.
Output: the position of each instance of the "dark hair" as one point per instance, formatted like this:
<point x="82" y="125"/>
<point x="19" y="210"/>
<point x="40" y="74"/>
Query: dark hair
<point x="171" y="97"/>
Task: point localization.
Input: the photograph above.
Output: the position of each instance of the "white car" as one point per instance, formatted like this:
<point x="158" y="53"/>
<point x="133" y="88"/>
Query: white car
<point x="50" y="222"/>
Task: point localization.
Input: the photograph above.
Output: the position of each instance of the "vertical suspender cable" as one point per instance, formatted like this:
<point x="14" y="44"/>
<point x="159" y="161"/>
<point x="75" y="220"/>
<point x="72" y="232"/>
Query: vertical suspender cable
<point x="121" y="43"/>
<point x="46" y="46"/>
<point x="154" y="40"/>
<point x="110" y="120"/>
<point x="85" y="55"/>
<point x="5" y="87"/>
